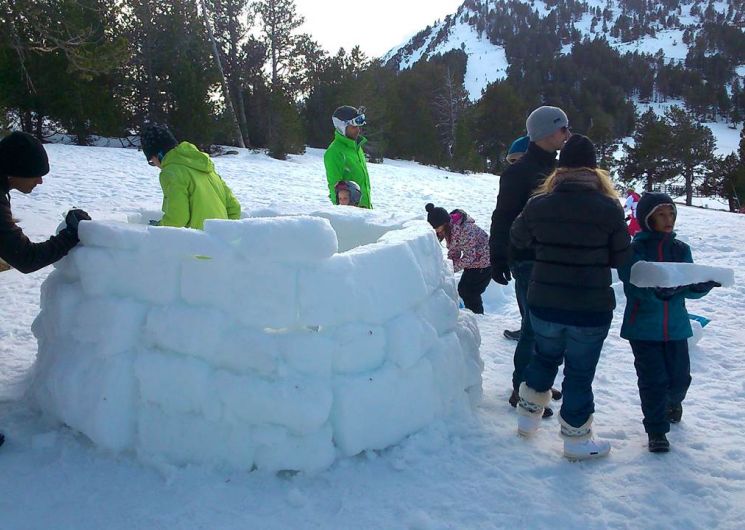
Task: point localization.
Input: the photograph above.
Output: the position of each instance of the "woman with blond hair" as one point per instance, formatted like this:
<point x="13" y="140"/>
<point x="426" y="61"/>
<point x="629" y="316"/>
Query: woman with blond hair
<point x="576" y="226"/>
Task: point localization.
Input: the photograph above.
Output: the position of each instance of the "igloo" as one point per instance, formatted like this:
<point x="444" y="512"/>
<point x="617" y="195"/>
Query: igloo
<point x="278" y="342"/>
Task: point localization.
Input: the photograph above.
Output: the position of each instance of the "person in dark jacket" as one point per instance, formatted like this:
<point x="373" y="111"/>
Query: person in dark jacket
<point x="656" y="321"/>
<point x="23" y="163"/>
<point x="548" y="129"/>
<point x="577" y="229"/>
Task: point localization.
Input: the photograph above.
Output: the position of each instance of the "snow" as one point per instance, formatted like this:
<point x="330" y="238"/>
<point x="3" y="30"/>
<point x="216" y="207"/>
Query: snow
<point x="652" y="274"/>
<point x="463" y="472"/>
<point x="142" y="341"/>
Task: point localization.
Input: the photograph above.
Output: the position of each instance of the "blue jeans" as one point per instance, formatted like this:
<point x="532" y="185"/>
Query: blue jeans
<point x="578" y="347"/>
<point x="663" y="370"/>
<point x="521" y="271"/>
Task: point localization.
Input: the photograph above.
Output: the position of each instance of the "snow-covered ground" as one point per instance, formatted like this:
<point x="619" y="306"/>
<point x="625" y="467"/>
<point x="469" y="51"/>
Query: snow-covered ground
<point x="473" y="473"/>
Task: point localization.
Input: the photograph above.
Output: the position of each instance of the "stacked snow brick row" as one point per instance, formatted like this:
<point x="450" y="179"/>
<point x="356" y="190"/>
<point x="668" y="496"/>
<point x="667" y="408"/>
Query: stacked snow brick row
<point x="254" y="343"/>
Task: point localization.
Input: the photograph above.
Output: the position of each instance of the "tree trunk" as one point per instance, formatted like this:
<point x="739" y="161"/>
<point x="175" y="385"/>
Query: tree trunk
<point x="223" y="80"/>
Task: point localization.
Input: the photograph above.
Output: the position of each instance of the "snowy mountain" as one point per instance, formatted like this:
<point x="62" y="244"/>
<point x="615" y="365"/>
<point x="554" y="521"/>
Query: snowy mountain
<point x="496" y="34"/>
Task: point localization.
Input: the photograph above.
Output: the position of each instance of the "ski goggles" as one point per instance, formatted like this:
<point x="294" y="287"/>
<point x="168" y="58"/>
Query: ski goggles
<point x="357" y="121"/>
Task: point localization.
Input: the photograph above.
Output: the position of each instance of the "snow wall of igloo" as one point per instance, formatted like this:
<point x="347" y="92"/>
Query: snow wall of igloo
<point x="255" y="343"/>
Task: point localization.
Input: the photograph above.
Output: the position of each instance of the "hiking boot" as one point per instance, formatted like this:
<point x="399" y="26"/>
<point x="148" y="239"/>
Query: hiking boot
<point x="512" y="335"/>
<point x="675" y="413"/>
<point x="547" y="413"/>
<point x="2" y="438"/>
<point x="658" y="443"/>
<point x="585" y="449"/>
<point x="514" y="398"/>
<point x="556" y="394"/>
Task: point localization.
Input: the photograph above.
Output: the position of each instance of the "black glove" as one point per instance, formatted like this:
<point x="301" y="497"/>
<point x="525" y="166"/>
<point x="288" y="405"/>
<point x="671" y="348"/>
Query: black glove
<point x="704" y="287"/>
<point x="666" y="293"/>
<point x="501" y="274"/>
<point x="153" y="222"/>
<point x="73" y="218"/>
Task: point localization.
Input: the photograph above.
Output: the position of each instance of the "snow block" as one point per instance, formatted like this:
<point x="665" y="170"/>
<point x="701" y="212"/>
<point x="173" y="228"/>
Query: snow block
<point x="376" y="410"/>
<point x="185" y="329"/>
<point x="662" y="274"/>
<point x="279" y="450"/>
<point x="112" y="234"/>
<point x="357" y="347"/>
<point x="283" y="239"/>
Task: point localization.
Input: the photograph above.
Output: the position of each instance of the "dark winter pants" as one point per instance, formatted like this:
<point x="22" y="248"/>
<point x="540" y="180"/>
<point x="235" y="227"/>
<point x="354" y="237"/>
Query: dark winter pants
<point x="579" y="348"/>
<point x="521" y="271"/>
<point x="663" y="370"/>
<point x="472" y="284"/>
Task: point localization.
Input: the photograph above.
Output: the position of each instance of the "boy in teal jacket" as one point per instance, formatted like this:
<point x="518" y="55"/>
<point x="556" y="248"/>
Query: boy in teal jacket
<point x="656" y="321"/>
<point x="344" y="159"/>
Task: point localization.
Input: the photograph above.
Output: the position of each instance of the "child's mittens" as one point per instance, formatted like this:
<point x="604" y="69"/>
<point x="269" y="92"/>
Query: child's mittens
<point x="704" y="287"/>
<point x="666" y="293"/>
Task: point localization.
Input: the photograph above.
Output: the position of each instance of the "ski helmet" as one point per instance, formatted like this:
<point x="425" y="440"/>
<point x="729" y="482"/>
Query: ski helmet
<point x="355" y="193"/>
<point x="345" y="116"/>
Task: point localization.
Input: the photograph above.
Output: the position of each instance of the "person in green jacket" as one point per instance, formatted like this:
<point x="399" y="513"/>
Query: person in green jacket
<point x="344" y="159"/>
<point x="192" y="190"/>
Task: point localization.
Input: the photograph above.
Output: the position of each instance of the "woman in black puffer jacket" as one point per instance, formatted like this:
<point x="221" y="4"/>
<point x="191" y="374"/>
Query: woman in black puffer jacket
<point x="575" y="225"/>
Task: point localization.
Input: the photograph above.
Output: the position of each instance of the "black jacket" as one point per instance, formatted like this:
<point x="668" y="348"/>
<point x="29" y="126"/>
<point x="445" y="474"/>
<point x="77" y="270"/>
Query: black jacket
<point x="516" y="185"/>
<point x="15" y="247"/>
<point x="578" y="235"/>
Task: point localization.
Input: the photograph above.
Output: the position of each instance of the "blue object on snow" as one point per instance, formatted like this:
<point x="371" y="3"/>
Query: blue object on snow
<point x="460" y="304"/>
<point x="701" y="320"/>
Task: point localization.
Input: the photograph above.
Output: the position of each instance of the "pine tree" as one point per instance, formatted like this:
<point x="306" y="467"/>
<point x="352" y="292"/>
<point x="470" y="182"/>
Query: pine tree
<point x="647" y="159"/>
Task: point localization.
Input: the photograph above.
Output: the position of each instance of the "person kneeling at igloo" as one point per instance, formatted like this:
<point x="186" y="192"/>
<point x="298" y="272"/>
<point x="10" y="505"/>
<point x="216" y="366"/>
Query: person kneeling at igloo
<point x="468" y="247"/>
<point x="192" y="190"/>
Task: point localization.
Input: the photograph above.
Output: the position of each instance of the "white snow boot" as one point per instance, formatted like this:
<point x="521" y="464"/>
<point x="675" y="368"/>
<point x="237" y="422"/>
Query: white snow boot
<point x="579" y="444"/>
<point x="530" y="409"/>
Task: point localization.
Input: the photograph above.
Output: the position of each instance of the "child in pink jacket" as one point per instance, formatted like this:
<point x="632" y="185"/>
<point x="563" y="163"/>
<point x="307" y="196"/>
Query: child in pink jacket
<point x="468" y="247"/>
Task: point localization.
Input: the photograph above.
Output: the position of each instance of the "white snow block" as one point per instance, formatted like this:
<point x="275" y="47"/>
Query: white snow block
<point x="59" y="302"/>
<point x="92" y="395"/>
<point x="113" y="325"/>
<point x="283" y="239"/>
<point x="357" y="347"/>
<point x="379" y="409"/>
<point x="409" y="337"/>
<point x="368" y="284"/>
<point x="441" y="311"/>
<point x="301" y="405"/>
<point x="177" y="384"/>
<point x="175" y="244"/>
<point x="195" y="331"/>
<point x="663" y="274"/>
<point x="423" y="243"/>
<point x="279" y="450"/>
<point x="248" y="350"/>
<point x="356" y="227"/>
<point x="698" y="333"/>
<point x="112" y="234"/>
<point x="187" y="438"/>
<point x="262" y="295"/>
<point x="146" y="278"/>
<point x="306" y="353"/>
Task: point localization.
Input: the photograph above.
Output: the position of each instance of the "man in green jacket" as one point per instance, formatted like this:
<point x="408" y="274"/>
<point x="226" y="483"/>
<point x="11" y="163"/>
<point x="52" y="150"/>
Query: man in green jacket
<point x="344" y="159"/>
<point x="192" y="190"/>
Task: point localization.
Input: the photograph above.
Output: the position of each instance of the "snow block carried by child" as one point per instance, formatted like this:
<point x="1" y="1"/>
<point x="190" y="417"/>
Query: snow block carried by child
<point x="255" y="343"/>
<point x="665" y="274"/>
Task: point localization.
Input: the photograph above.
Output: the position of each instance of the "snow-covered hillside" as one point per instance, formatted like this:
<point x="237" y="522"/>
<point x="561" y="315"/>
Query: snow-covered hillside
<point x="487" y="62"/>
<point x="466" y="474"/>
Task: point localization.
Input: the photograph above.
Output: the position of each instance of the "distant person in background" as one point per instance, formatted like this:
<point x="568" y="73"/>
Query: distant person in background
<point x="632" y="199"/>
<point x="344" y="159"/>
<point x="575" y="224"/>
<point x="468" y="247"/>
<point x="192" y="190"/>
<point x="516" y="151"/>
<point x="656" y="321"/>
<point x="347" y="193"/>
<point x="23" y="163"/>
<point x="548" y="129"/>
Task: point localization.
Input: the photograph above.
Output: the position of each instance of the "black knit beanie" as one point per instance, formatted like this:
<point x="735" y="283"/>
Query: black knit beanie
<point x="578" y="152"/>
<point x="436" y="216"/>
<point x="22" y="155"/>
<point x="156" y="140"/>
